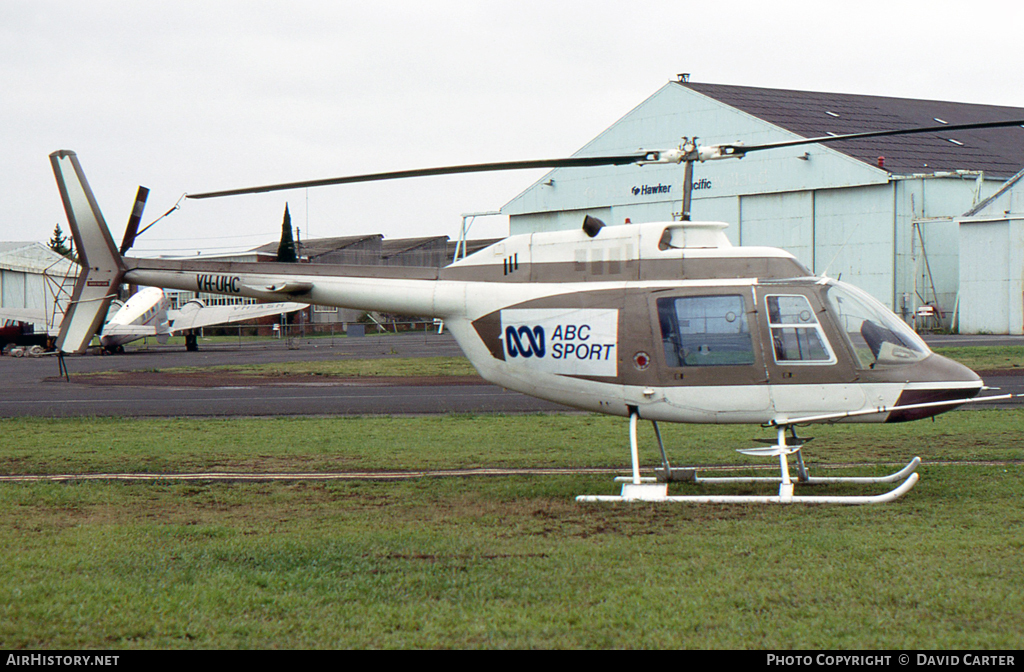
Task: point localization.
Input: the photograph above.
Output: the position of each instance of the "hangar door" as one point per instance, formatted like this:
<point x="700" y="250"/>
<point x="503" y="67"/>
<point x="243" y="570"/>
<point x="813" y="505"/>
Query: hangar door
<point x="988" y="298"/>
<point x="12" y="289"/>
<point x="780" y="220"/>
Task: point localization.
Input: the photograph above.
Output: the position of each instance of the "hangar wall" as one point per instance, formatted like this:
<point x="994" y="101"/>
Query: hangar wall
<point x="890" y="234"/>
<point x="991" y="274"/>
<point x="23" y="284"/>
<point x="992" y="280"/>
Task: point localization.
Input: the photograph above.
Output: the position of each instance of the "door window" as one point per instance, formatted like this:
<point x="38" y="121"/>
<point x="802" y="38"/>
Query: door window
<point x="705" y="331"/>
<point x="796" y="335"/>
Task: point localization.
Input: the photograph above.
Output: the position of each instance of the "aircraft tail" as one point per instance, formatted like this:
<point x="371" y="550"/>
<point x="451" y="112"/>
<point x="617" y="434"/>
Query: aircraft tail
<point x="101" y="265"/>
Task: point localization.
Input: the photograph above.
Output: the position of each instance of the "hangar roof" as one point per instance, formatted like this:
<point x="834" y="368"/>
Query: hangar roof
<point x="997" y="151"/>
<point x="315" y="247"/>
<point x="390" y="248"/>
<point x="472" y="246"/>
<point x="374" y="250"/>
<point x="14" y="245"/>
<point x="31" y="257"/>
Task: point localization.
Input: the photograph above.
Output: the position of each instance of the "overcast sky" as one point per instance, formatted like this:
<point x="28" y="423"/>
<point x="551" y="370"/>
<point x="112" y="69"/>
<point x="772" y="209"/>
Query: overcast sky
<point x="192" y="96"/>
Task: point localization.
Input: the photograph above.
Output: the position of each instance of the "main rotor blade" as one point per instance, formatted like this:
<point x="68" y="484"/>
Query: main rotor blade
<point x="425" y="172"/>
<point x="743" y="149"/>
<point x="671" y="156"/>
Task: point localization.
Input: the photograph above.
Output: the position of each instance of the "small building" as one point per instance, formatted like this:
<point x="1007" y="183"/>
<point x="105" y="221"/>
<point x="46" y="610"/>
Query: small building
<point x="992" y="262"/>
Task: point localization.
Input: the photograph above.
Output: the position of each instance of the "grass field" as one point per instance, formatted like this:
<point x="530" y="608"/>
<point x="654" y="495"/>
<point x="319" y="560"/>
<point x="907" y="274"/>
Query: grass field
<point x="499" y="561"/>
<point x="987" y="357"/>
<point x="382" y="366"/>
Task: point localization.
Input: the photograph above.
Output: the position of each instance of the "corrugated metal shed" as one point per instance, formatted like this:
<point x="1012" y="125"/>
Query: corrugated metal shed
<point x="358" y="250"/>
<point x="428" y="252"/>
<point x="375" y="250"/>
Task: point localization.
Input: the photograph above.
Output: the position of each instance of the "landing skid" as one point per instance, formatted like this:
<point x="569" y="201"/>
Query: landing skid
<point x="646" y="489"/>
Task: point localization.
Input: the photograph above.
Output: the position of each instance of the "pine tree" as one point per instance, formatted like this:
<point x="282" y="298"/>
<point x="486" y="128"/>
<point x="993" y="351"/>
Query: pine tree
<point x="59" y="242"/>
<point x="286" y="250"/>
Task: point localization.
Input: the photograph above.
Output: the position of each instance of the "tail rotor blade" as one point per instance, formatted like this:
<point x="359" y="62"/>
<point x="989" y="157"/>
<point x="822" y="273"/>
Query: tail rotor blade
<point x="132" y="230"/>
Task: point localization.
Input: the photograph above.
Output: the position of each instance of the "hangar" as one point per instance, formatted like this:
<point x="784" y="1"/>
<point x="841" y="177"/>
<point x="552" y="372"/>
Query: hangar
<point x="879" y="212"/>
<point x="31" y="274"/>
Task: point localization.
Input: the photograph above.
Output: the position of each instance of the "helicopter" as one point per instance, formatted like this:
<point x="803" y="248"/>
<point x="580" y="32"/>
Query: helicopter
<point x="657" y="321"/>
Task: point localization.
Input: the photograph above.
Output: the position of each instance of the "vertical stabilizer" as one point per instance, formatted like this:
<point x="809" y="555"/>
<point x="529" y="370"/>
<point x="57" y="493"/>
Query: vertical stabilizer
<point x="101" y="266"/>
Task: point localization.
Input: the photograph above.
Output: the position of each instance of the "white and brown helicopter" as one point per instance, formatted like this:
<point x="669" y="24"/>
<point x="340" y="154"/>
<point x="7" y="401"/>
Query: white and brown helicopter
<point x="675" y="324"/>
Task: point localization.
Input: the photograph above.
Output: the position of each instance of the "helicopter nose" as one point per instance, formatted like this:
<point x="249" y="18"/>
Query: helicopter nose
<point x="951" y="370"/>
<point x="934" y="380"/>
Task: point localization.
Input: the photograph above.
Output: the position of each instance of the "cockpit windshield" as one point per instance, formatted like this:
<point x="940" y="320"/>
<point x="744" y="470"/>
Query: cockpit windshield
<point x="877" y="336"/>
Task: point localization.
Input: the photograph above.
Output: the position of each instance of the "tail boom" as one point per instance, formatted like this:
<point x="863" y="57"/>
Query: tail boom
<point x="400" y="295"/>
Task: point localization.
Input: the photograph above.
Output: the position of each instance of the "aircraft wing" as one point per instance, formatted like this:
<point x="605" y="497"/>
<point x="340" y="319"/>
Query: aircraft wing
<point x="194" y="317"/>
<point x="138" y="330"/>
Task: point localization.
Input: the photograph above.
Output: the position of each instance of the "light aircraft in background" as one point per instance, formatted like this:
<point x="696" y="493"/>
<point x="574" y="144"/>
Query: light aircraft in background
<point x="661" y="321"/>
<point x="147" y="313"/>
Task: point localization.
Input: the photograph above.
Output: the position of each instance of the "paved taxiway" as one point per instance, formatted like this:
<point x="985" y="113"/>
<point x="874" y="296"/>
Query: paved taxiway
<point x="31" y="386"/>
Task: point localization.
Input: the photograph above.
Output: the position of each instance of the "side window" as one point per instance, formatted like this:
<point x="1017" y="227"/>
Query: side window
<point x="705" y="331"/>
<point x="796" y="334"/>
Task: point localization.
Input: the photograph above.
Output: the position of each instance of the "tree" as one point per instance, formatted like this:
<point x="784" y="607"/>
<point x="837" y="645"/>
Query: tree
<point x="286" y="250"/>
<point x="59" y="243"/>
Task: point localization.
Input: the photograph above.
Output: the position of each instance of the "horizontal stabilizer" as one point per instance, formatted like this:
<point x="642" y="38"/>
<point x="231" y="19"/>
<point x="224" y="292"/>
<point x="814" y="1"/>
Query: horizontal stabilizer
<point x="208" y="315"/>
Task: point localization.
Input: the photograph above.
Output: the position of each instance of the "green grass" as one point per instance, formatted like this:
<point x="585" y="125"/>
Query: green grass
<point x="507" y="561"/>
<point x="347" y="368"/>
<point x="985" y="357"/>
<point x="389" y="366"/>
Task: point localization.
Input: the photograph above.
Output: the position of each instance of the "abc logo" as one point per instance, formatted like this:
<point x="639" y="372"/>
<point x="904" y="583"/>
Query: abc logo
<point x="524" y="342"/>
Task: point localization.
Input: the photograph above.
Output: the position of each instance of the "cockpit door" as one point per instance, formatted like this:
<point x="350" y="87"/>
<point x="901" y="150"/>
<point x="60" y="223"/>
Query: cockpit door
<point x="807" y="364"/>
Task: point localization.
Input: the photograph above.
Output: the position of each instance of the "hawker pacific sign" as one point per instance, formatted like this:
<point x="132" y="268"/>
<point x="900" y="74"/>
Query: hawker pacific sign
<point x="648" y="189"/>
<point x="654" y="189"/>
<point x="581" y="342"/>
